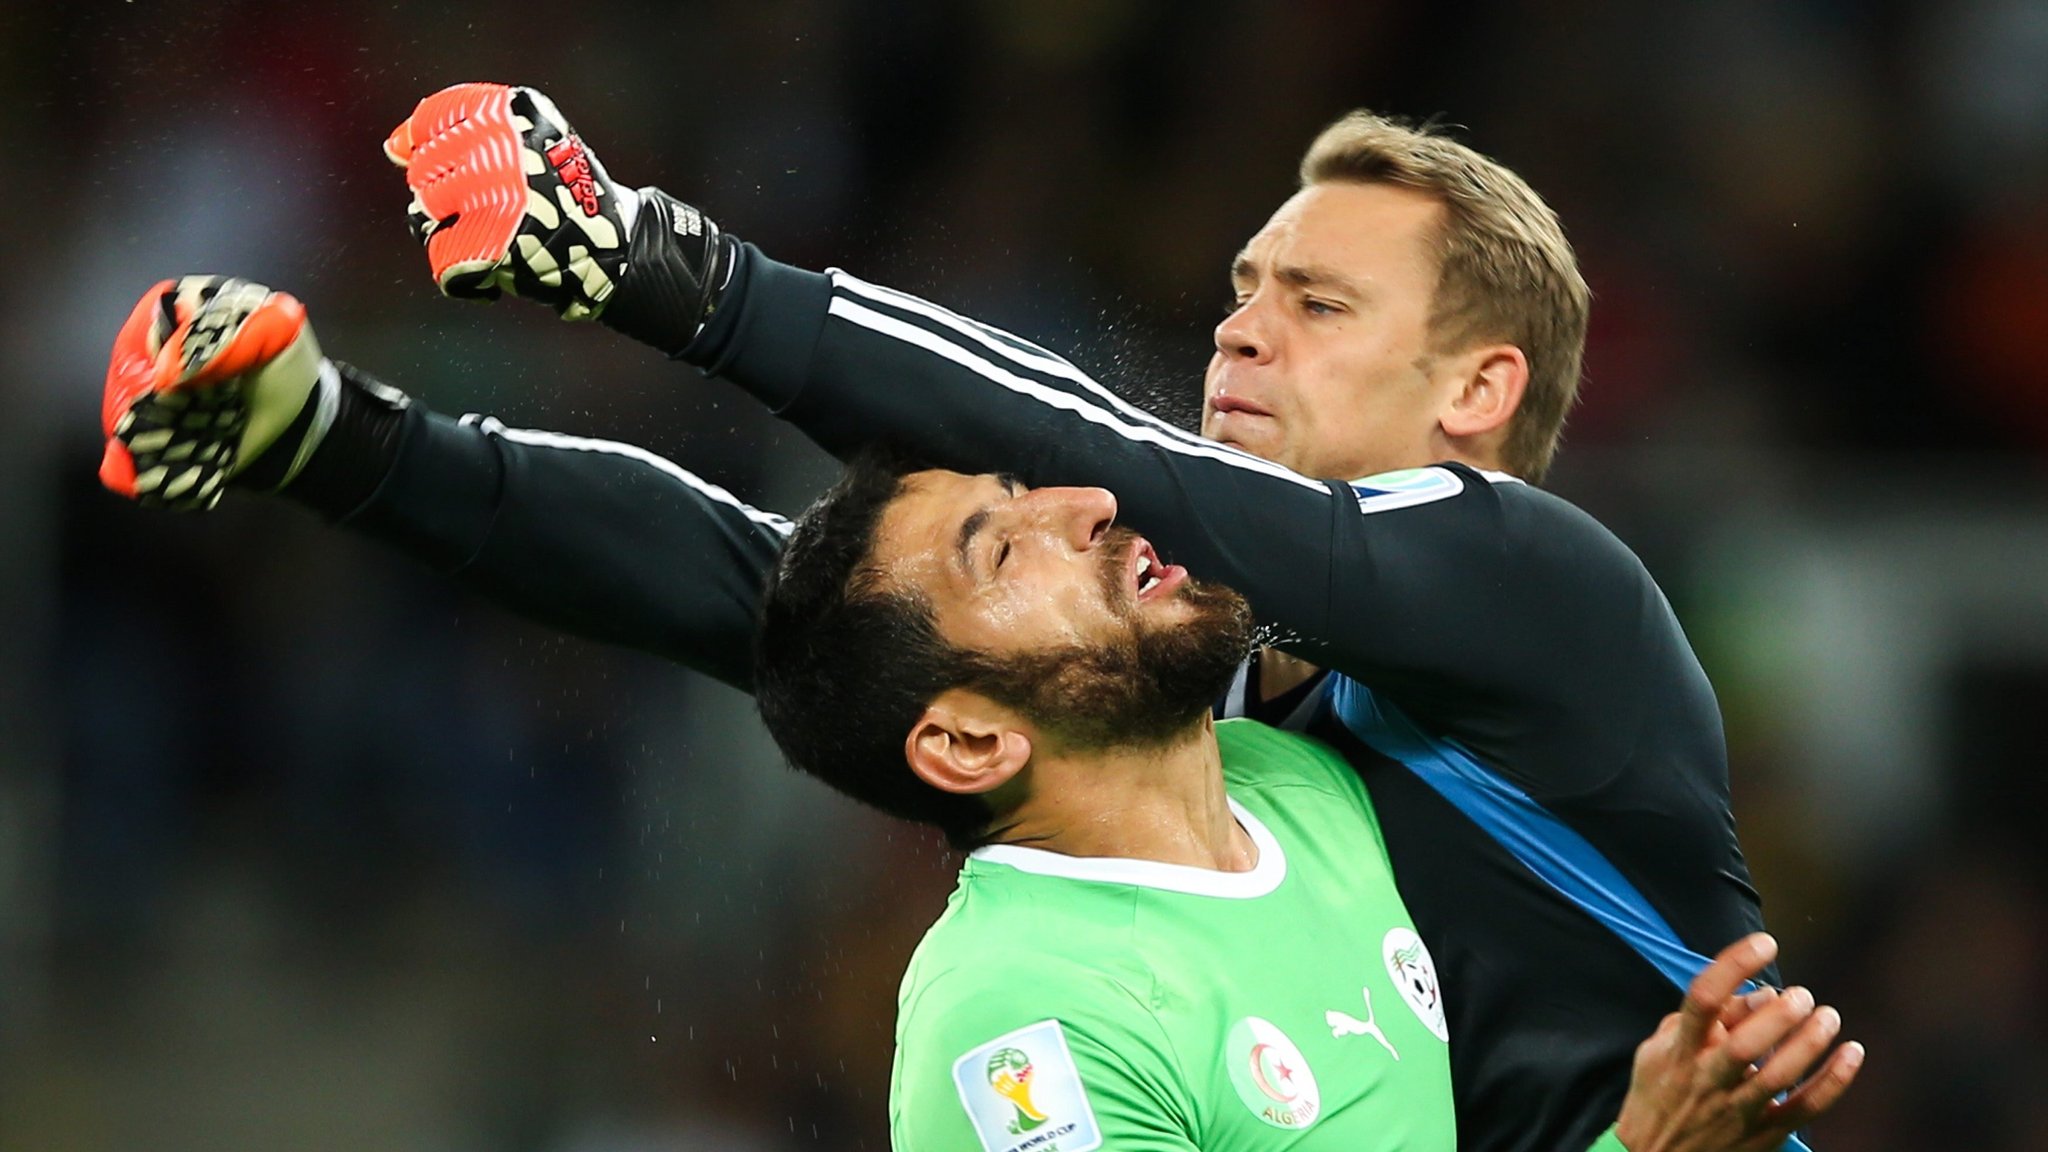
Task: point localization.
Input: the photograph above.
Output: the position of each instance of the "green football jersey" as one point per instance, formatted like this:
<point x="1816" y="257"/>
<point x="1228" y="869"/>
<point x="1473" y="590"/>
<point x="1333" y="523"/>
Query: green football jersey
<point x="1065" y="1003"/>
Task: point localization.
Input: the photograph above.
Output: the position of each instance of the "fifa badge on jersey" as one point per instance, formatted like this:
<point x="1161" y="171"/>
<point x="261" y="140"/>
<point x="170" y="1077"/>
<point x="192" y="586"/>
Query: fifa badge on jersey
<point x="1271" y="1075"/>
<point x="1405" y="488"/>
<point x="1414" y="976"/>
<point x="1023" y="1092"/>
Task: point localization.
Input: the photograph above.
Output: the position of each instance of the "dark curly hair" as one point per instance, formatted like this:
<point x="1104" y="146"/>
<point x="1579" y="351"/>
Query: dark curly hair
<point x="844" y="663"/>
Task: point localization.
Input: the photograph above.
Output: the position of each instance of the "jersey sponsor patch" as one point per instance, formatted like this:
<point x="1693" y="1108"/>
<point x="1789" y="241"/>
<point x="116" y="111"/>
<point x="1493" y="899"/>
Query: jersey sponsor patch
<point x="1023" y="1092"/>
<point x="1271" y="1075"/>
<point x="1405" y="488"/>
<point x="1414" y="976"/>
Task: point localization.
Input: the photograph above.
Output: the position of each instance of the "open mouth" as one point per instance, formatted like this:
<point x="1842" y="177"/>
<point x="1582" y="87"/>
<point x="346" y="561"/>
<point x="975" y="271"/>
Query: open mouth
<point x="1151" y="577"/>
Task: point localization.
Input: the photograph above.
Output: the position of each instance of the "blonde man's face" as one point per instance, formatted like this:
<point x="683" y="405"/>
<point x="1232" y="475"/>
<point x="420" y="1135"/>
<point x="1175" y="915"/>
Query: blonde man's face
<point x="1323" y="363"/>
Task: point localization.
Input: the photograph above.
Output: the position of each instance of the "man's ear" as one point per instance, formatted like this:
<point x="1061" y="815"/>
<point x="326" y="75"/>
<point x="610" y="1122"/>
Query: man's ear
<point x="1494" y="377"/>
<point x="968" y="744"/>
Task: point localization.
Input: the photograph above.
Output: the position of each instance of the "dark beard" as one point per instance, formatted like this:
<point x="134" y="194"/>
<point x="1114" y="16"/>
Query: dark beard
<point x="1144" y="688"/>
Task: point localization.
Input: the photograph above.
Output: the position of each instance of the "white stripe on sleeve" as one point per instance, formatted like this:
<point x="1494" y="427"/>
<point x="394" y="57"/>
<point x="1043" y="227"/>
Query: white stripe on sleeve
<point x="1006" y="344"/>
<point x="491" y="426"/>
<point x="1147" y="430"/>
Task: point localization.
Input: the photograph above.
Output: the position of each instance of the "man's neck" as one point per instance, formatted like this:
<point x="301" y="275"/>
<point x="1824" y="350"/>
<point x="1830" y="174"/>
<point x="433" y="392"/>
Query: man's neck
<point x="1165" y="804"/>
<point x="1484" y="456"/>
<point x="1280" y="673"/>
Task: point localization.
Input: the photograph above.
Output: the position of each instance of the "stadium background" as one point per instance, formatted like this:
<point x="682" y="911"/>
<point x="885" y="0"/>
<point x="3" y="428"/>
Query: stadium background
<point x="301" y="848"/>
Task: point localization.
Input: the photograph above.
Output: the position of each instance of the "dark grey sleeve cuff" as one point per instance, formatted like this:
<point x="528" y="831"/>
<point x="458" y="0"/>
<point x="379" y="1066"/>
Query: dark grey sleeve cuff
<point x="766" y="330"/>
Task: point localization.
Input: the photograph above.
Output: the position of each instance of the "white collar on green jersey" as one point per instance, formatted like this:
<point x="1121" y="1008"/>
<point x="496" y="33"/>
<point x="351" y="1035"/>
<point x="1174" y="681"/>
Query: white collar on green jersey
<point x="1262" y="879"/>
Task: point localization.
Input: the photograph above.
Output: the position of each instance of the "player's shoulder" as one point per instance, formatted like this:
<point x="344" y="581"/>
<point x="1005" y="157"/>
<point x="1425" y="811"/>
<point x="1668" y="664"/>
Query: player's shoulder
<point x="1550" y="513"/>
<point x="1456" y="483"/>
<point x="1544" y="531"/>
<point x="1004" y="934"/>
<point x="1016" y="982"/>
<point x="970" y="984"/>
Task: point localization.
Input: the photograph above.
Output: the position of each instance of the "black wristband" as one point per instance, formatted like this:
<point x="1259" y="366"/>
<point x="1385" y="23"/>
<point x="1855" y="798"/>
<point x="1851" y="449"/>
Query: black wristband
<point x="677" y="266"/>
<point x="351" y="460"/>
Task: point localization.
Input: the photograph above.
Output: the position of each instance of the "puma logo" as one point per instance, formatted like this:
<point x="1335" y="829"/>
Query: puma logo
<point x="1342" y="1025"/>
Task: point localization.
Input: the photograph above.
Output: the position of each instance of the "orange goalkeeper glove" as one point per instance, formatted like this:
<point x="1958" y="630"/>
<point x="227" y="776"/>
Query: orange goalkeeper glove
<point x="208" y="374"/>
<point x="507" y="198"/>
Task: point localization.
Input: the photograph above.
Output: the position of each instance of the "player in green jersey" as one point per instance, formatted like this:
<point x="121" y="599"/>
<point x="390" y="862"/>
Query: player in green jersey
<point x="1063" y="999"/>
<point x="1170" y="933"/>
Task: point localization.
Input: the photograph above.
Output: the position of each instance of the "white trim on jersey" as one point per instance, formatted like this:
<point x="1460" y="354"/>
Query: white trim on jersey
<point x="1145" y="433"/>
<point x="1264" y="877"/>
<point x="1013" y="347"/>
<point x="492" y="426"/>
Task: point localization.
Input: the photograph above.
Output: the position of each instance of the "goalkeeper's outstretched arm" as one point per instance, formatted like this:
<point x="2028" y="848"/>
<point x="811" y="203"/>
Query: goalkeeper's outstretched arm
<point x="218" y="383"/>
<point x="601" y="539"/>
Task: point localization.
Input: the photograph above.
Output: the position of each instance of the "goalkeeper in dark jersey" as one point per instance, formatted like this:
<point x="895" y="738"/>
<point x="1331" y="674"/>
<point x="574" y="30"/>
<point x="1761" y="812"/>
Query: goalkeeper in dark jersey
<point x="1510" y="685"/>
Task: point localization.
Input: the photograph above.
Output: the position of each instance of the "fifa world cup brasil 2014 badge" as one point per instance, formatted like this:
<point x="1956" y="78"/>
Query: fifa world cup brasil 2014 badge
<point x="1271" y="1075"/>
<point x="1009" y="1073"/>
<point x="1023" y="1092"/>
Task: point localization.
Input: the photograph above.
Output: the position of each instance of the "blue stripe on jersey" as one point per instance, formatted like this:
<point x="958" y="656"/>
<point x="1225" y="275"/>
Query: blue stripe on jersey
<point x="1558" y="856"/>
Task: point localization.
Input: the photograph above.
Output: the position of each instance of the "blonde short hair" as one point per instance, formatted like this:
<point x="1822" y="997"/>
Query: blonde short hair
<point x="1505" y="271"/>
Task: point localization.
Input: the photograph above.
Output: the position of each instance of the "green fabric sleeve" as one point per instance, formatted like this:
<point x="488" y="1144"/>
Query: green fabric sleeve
<point x="1013" y="1059"/>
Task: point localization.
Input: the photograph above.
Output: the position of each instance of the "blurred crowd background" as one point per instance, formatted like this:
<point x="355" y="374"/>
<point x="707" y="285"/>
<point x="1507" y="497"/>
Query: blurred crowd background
<point x="302" y="848"/>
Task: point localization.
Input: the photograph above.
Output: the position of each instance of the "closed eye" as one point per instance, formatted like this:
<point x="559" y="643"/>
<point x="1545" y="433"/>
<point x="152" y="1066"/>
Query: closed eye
<point x="1002" y="553"/>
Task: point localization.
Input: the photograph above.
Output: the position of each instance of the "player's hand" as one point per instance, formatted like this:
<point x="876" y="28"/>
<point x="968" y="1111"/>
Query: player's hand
<point x="1711" y="1077"/>
<point x="507" y="198"/>
<point x="209" y="374"/>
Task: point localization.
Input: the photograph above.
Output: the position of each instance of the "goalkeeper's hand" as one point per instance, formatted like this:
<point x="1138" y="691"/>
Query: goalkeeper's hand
<point x="209" y="375"/>
<point x="507" y="198"/>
